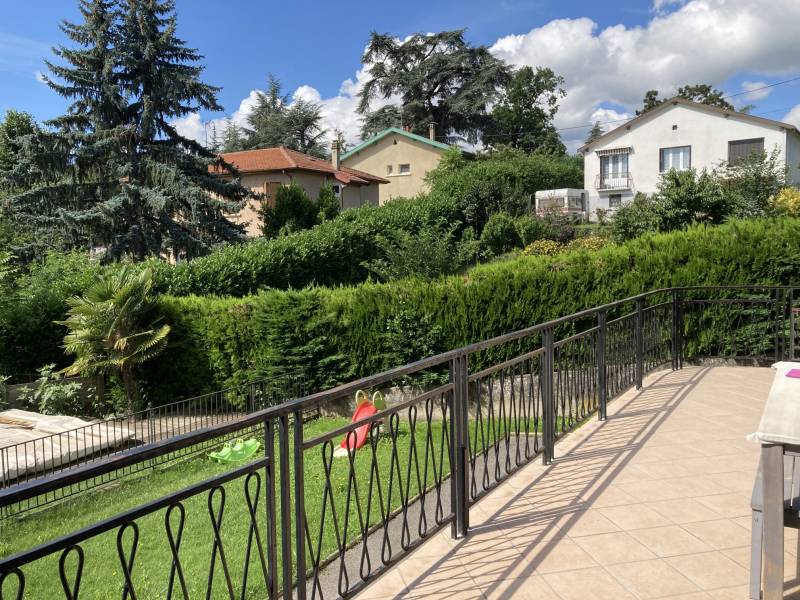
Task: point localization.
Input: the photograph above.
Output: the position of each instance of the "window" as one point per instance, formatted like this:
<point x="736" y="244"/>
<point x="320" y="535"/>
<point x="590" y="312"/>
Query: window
<point x="614" y="171"/>
<point x="575" y="202"/>
<point x="405" y="169"/>
<point x="678" y="158"/>
<point x="388" y="169"/>
<point x="615" y="200"/>
<point x="741" y="150"/>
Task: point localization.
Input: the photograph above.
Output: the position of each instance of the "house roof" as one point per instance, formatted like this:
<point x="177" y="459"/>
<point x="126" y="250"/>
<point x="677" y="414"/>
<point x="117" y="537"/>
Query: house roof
<point x="646" y="116"/>
<point x="395" y="131"/>
<point x="284" y="159"/>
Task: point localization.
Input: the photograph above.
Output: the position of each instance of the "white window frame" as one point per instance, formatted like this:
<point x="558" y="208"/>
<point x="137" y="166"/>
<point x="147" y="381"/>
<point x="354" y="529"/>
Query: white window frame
<point x="684" y="154"/>
<point x="400" y="170"/>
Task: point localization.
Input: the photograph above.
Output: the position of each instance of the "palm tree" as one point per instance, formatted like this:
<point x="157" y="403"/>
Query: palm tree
<point x="115" y="326"/>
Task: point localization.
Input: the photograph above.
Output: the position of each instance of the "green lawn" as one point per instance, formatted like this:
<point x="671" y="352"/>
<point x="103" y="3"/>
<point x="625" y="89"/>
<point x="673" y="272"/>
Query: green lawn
<point x="102" y="573"/>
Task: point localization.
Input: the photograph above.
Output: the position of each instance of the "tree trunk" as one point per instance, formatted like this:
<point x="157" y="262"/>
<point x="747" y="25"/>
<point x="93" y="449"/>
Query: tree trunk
<point x="131" y="393"/>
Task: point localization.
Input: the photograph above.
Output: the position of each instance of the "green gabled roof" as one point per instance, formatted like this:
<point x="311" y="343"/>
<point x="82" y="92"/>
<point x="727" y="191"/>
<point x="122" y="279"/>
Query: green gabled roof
<point x="396" y="131"/>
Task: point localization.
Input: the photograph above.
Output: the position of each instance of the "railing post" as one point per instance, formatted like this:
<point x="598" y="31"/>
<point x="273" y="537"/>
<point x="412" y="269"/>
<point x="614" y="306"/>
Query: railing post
<point x="639" y="342"/>
<point x="602" y="391"/>
<point x="269" y="494"/>
<point x="792" y="331"/>
<point x="459" y="436"/>
<point x="548" y="398"/>
<point x="299" y="506"/>
<point x="286" y="506"/>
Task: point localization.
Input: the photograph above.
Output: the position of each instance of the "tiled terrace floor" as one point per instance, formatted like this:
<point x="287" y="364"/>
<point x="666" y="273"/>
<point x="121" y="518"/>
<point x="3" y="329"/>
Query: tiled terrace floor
<point x="653" y="503"/>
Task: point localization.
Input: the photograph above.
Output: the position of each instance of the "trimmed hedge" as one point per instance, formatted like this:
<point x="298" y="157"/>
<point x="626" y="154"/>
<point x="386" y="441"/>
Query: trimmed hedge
<point x="331" y="335"/>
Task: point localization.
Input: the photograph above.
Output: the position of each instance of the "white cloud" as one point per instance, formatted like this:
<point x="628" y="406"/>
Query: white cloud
<point x="703" y="41"/>
<point x="699" y="41"/>
<point x="756" y="89"/>
<point x="39" y="76"/>
<point x="793" y="116"/>
<point x="21" y="54"/>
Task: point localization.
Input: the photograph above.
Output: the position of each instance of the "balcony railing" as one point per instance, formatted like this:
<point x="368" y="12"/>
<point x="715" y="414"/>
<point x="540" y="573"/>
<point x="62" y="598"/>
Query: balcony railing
<point x="621" y="181"/>
<point x="298" y="522"/>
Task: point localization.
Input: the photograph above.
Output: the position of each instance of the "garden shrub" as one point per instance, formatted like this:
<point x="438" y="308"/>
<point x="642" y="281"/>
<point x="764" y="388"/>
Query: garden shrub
<point x="530" y="229"/>
<point x="543" y="248"/>
<point x="635" y="218"/>
<point x="559" y="227"/>
<point x="786" y="202"/>
<point x="293" y="211"/>
<point x="589" y="242"/>
<point x="327" y="204"/>
<point x="499" y="235"/>
<point x="432" y="251"/>
<point x="332" y="335"/>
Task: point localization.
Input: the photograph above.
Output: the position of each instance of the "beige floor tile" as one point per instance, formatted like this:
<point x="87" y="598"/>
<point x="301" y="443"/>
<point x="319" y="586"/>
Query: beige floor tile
<point x="523" y="588"/>
<point x="590" y="522"/>
<point x="719" y="534"/>
<point x="608" y="496"/>
<point x="561" y="554"/>
<point x="710" y="570"/>
<point x="652" y="579"/>
<point x="634" y="516"/>
<point x="739" y="592"/>
<point x="684" y="510"/>
<point x="593" y="583"/>
<point x="612" y="548"/>
<point x="730" y="505"/>
<point x="388" y="586"/>
<point x="670" y="540"/>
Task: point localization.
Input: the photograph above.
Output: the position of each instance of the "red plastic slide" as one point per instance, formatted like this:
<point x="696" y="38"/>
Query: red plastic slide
<point x="364" y="410"/>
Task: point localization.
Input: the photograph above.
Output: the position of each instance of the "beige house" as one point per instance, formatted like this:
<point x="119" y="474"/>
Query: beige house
<point x="400" y="156"/>
<point x="264" y="171"/>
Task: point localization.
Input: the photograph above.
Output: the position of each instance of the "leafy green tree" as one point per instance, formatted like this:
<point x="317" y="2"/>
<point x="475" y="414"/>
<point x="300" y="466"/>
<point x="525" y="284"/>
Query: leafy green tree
<point x="523" y="118"/>
<point x="750" y="184"/>
<point x="595" y="132"/>
<point x="293" y="210"/>
<point x="115" y="327"/>
<point x="684" y="197"/>
<point x="327" y="204"/>
<point x="440" y="78"/>
<point x="702" y="93"/>
<point x="114" y="172"/>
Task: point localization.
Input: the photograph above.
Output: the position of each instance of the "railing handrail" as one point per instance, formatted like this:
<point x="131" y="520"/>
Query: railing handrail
<point x="42" y="485"/>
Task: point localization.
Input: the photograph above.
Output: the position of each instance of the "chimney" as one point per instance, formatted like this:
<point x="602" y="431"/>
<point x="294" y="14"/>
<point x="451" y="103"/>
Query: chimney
<point x="335" y="154"/>
<point x="432" y="131"/>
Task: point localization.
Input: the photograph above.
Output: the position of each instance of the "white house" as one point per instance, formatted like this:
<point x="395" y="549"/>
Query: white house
<point x="677" y="134"/>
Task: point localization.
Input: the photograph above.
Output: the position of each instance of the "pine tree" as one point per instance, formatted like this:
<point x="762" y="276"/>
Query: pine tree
<point x="595" y="132"/>
<point x="233" y="139"/>
<point x="113" y="171"/>
<point x="174" y="202"/>
<point x="214" y="143"/>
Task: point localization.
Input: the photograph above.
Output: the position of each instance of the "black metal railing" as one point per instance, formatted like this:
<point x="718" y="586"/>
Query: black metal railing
<point x="50" y="454"/>
<point x="315" y="518"/>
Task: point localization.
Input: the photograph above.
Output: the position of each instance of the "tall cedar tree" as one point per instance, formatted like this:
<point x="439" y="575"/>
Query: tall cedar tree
<point x="113" y="171"/>
<point x="275" y="121"/>
<point x="702" y="93"/>
<point x="440" y="79"/>
<point x="523" y="118"/>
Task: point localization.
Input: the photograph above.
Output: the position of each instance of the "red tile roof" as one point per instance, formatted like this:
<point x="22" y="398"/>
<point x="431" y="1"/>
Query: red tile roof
<point x="284" y="159"/>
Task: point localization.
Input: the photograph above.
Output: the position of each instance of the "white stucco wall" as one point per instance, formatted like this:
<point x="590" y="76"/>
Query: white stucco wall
<point x="707" y="133"/>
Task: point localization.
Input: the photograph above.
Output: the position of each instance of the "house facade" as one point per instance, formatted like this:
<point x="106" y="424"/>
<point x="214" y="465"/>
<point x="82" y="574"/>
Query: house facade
<point x="678" y="134"/>
<point x="402" y="157"/>
<point x="264" y="171"/>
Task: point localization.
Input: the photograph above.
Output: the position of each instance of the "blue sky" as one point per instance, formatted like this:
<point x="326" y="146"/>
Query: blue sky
<point x="609" y="53"/>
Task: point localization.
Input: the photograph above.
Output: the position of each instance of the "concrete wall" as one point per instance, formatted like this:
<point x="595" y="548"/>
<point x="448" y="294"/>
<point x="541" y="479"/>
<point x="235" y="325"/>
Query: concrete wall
<point x="353" y="195"/>
<point x="707" y="133"/>
<point x="395" y="150"/>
